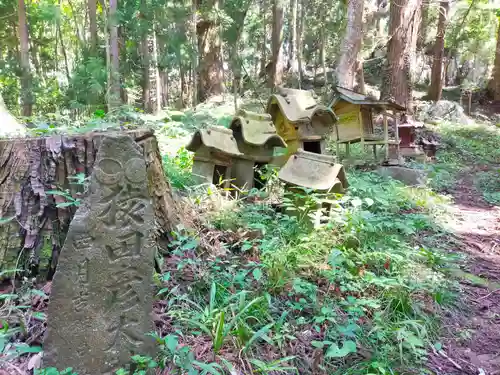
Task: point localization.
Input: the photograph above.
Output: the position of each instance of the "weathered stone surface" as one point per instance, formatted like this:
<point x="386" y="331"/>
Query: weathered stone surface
<point x="33" y="238"/>
<point x="443" y="110"/>
<point x="408" y="176"/>
<point x="101" y="301"/>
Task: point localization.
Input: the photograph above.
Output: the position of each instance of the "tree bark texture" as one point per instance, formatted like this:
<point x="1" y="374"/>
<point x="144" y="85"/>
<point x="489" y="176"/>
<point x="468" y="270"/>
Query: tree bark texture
<point x="436" y="87"/>
<point x="495" y="82"/>
<point x="34" y="235"/>
<point x="276" y="76"/>
<point x="300" y="45"/>
<point x="263" y="46"/>
<point x="422" y="28"/>
<point x="114" y="99"/>
<point x="292" y="47"/>
<point x="211" y="80"/>
<point x="24" y="51"/>
<point x="397" y="80"/>
<point x="92" y="7"/>
<point x="351" y="46"/>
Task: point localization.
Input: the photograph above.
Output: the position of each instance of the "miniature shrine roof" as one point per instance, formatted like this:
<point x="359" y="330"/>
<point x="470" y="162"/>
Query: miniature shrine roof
<point x="298" y="105"/>
<point x="353" y="97"/>
<point x="314" y="171"/>
<point x="257" y="129"/>
<point x="215" y="138"/>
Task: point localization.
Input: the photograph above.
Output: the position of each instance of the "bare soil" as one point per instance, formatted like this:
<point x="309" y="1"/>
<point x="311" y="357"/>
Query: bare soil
<point x="471" y="332"/>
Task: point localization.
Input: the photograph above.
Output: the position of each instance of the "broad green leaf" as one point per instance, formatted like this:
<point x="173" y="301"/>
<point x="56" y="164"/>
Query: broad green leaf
<point x="172" y="341"/>
<point x="257" y="274"/>
<point x="335" y="352"/>
<point x="219" y="333"/>
<point x="208" y="368"/>
<point x="24" y="348"/>
<point x="356" y="202"/>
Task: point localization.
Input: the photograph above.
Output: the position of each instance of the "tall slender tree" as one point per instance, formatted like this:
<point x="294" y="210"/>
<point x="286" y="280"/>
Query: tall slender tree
<point x="211" y="80"/>
<point x="351" y="46"/>
<point x="276" y="76"/>
<point x="24" y="52"/>
<point x="114" y="95"/>
<point x="292" y="44"/>
<point x="397" y="82"/>
<point x="436" y="87"/>
<point x="92" y="10"/>
<point x="495" y="82"/>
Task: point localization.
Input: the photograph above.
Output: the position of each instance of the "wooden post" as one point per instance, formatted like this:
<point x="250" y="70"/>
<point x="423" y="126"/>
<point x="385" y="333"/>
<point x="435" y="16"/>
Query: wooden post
<point x="386" y="135"/>
<point x="396" y="124"/>
<point x="362" y="129"/>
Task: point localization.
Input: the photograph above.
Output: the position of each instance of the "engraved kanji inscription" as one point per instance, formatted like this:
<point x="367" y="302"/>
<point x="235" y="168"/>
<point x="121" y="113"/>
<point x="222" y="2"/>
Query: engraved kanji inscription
<point x="101" y="299"/>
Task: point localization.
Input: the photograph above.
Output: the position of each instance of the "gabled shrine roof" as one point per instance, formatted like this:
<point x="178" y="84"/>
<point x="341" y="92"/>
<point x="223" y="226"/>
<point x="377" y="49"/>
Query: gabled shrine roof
<point x="257" y="129"/>
<point x="314" y="171"/>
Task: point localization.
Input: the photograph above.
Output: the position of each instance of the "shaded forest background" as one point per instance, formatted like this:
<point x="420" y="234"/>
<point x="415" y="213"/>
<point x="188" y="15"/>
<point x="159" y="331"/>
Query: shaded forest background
<point x="77" y="57"/>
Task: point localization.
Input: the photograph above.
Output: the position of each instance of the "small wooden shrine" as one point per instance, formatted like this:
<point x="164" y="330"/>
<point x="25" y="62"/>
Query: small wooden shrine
<point x="215" y="150"/>
<point x="408" y="146"/>
<point x="355" y="121"/>
<point x="319" y="173"/>
<point x="300" y="120"/>
<point x="235" y="155"/>
<point x="257" y="139"/>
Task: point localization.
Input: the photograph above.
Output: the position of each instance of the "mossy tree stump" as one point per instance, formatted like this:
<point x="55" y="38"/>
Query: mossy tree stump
<point x="33" y="229"/>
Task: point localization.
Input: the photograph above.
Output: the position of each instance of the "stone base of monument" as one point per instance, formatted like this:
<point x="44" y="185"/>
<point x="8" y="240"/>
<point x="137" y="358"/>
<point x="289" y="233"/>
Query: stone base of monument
<point x="33" y="229"/>
<point x="100" y="309"/>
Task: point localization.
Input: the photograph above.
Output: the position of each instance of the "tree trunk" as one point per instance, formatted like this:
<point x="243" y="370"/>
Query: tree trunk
<point x="92" y="8"/>
<point x="263" y="45"/>
<point x="436" y="87"/>
<point x="276" y="76"/>
<point x="195" y="57"/>
<point x="422" y="29"/>
<point x="26" y="81"/>
<point x="63" y="48"/>
<point x="164" y="88"/>
<point x="292" y="47"/>
<point x="211" y="80"/>
<point x="146" y="80"/>
<point x="397" y="82"/>
<point x="34" y="229"/>
<point x="347" y="66"/>
<point x="495" y="82"/>
<point x="323" y="56"/>
<point x="360" y="78"/>
<point x="300" y="44"/>
<point x="114" y="99"/>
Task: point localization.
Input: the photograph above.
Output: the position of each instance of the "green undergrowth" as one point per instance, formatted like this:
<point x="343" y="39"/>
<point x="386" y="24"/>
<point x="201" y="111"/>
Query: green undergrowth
<point x="263" y="292"/>
<point x="469" y="153"/>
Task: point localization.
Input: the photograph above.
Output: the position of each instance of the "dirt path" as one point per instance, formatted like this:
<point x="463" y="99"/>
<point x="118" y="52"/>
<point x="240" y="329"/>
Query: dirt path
<point x="471" y="333"/>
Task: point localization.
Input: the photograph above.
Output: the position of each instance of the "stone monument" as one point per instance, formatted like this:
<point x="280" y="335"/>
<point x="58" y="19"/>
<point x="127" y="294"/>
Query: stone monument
<point x="101" y="301"/>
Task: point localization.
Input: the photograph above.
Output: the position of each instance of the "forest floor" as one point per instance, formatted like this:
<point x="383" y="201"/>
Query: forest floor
<point x="400" y="279"/>
<point x="471" y="335"/>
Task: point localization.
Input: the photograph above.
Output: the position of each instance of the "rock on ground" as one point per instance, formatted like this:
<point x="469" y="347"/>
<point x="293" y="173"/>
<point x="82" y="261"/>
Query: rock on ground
<point x="408" y="176"/>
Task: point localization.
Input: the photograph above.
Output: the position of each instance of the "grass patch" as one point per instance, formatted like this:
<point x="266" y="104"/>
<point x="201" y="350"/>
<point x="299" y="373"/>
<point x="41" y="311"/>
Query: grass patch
<point x="358" y="294"/>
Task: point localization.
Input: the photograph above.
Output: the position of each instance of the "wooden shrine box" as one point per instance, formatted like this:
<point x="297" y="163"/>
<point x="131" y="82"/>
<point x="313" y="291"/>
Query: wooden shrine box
<point x="318" y="173"/>
<point x="215" y="150"/>
<point x="300" y="121"/>
<point x="234" y="155"/>
<point x="257" y="139"/>
<point x="355" y="114"/>
<point x="408" y="146"/>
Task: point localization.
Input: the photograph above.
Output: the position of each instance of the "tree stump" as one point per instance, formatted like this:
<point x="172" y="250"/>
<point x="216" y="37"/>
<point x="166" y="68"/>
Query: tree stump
<point x="32" y="228"/>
